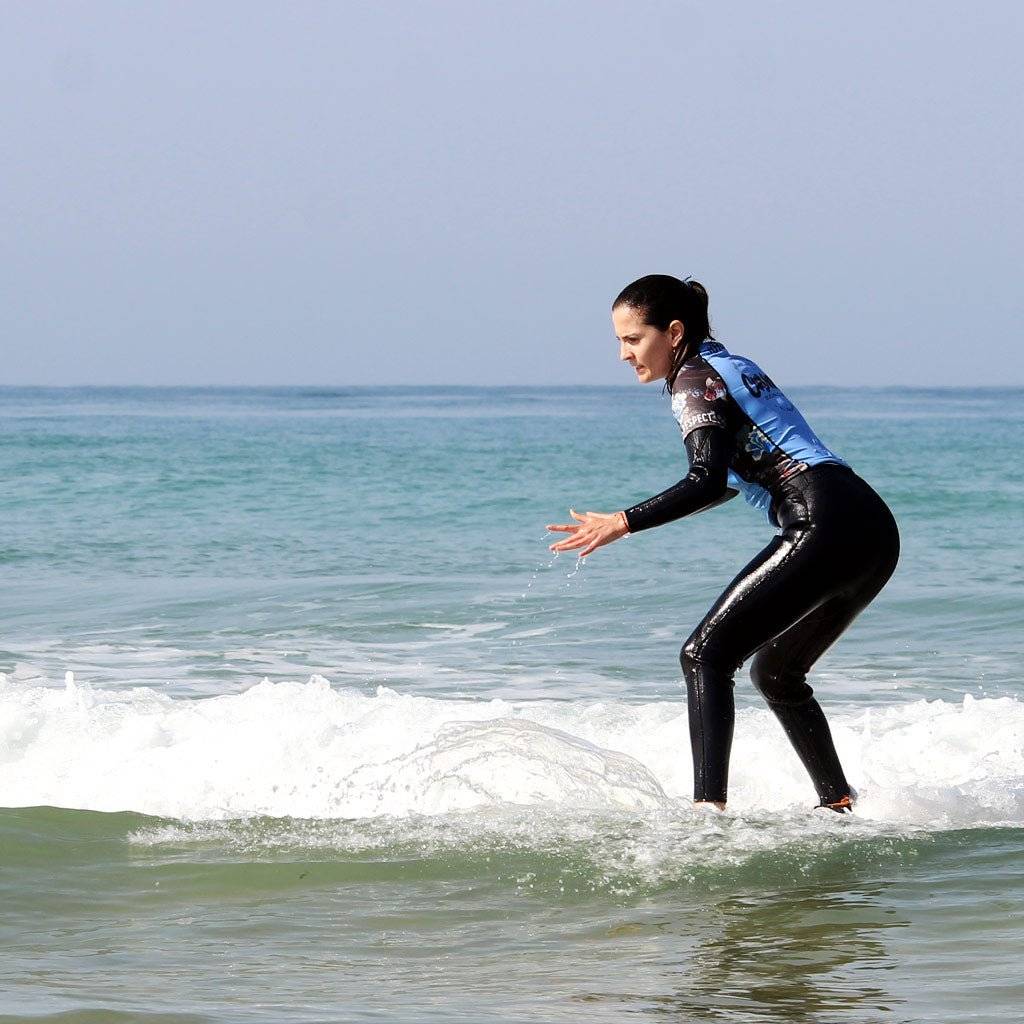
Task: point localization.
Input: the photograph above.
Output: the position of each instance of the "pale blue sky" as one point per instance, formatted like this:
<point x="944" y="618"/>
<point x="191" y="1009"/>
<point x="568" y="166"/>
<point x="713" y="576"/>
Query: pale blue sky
<point x="340" y="193"/>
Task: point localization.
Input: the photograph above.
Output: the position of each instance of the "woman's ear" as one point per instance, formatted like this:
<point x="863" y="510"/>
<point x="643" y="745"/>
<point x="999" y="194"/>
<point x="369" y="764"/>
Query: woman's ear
<point x="676" y="330"/>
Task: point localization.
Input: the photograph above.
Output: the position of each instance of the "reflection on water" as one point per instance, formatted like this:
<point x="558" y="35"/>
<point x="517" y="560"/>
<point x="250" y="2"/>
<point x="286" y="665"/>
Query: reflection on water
<point x="810" y="954"/>
<point x="795" y="956"/>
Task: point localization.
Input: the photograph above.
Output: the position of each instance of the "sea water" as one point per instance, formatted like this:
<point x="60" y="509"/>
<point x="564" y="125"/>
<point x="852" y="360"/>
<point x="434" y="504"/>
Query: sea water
<point x="300" y="720"/>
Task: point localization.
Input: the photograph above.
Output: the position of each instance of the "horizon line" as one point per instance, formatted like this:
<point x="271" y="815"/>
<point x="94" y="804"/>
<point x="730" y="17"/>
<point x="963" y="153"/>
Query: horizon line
<point x="495" y="387"/>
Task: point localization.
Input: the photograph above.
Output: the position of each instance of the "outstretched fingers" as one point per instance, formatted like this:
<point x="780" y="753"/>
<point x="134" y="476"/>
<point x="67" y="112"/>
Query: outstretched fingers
<point x="570" y="543"/>
<point x="568" y="527"/>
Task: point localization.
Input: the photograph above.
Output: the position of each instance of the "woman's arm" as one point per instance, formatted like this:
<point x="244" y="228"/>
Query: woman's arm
<point x="703" y="487"/>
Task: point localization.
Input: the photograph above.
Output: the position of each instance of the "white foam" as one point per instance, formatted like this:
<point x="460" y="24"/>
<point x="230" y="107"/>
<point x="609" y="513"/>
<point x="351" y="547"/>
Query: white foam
<point x="309" y="750"/>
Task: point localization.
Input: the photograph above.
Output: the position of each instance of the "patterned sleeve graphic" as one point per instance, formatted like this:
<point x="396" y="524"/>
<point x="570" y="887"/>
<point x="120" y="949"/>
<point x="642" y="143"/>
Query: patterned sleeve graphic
<point x="699" y="400"/>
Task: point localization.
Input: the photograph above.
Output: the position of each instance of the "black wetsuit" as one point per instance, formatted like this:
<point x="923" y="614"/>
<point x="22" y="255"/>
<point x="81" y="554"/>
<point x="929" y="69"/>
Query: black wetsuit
<point x="836" y="547"/>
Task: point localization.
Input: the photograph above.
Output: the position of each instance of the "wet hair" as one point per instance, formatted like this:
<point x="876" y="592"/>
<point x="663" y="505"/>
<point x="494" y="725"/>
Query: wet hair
<point x="659" y="299"/>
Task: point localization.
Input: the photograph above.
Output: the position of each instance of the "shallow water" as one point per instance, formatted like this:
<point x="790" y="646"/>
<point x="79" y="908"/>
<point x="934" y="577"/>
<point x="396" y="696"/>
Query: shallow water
<point x="344" y="742"/>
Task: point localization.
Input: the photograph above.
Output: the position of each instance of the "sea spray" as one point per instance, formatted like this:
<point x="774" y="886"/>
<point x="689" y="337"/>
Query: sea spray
<point x="311" y="750"/>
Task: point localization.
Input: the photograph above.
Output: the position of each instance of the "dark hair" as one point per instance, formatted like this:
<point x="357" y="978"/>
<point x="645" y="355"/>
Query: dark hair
<point x="660" y="299"/>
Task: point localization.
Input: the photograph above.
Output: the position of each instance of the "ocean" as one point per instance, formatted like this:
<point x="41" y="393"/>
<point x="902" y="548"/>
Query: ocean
<point x="300" y="720"/>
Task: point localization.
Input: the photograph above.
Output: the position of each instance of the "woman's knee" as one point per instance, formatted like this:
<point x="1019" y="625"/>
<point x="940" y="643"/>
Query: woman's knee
<point x="701" y="656"/>
<point x="690" y="655"/>
<point x="779" y="683"/>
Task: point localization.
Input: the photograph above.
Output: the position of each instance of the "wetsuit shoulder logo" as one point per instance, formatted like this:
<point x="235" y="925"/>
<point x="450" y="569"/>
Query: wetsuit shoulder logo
<point x="714" y="389"/>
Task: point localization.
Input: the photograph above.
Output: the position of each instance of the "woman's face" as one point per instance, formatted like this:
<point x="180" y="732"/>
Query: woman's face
<point x="646" y="348"/>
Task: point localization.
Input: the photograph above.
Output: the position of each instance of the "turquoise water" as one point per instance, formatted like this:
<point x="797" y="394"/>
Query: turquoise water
<point x="341" y="740"/>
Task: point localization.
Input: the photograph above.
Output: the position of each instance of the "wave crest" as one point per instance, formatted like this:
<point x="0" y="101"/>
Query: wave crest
<point x="308" y="750"/>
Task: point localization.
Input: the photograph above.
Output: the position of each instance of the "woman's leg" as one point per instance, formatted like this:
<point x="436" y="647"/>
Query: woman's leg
<point x="780" y="668"/>
<point x="793" y="600"/>
<point x="772" y="592"/>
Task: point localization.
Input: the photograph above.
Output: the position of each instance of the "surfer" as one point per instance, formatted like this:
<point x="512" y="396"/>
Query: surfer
<point x="836" y="543"/>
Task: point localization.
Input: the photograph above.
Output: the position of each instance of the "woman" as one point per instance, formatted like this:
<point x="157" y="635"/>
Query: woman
<point x="836" y="546"/>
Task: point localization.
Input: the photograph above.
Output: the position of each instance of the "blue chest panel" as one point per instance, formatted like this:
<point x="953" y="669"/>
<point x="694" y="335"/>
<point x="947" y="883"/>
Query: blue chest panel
<point x="771" y="439"/>
<point x="767" y="408"/>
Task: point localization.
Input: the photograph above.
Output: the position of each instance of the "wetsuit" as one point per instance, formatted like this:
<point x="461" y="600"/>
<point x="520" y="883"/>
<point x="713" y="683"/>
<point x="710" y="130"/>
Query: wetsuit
<point x="836" y="546"/>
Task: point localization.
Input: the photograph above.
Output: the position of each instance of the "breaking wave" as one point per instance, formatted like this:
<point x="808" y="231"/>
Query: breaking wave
<point x="308" y="750"/>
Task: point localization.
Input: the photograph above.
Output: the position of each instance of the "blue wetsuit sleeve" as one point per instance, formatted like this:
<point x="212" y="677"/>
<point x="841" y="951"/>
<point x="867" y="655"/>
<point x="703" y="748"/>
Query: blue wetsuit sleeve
<point x="705" y="486"/>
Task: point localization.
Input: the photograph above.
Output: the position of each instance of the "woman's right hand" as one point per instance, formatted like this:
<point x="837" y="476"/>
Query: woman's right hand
<point x="591" y="530"/>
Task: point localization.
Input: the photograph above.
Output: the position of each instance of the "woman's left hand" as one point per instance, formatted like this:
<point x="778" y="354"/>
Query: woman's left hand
<point x="590" y="531"/>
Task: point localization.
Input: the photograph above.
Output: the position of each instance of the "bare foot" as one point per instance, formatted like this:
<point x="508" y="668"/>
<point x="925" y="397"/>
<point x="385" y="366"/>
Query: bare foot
<point x="844" y="805"/>
<point x="709" y="803"/>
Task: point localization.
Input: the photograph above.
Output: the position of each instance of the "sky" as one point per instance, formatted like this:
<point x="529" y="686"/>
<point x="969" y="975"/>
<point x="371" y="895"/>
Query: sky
<point x="217" y="193"/>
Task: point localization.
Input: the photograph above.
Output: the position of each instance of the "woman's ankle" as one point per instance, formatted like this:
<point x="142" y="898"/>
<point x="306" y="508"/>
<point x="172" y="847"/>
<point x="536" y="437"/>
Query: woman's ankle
<point x="720" y="804"/>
